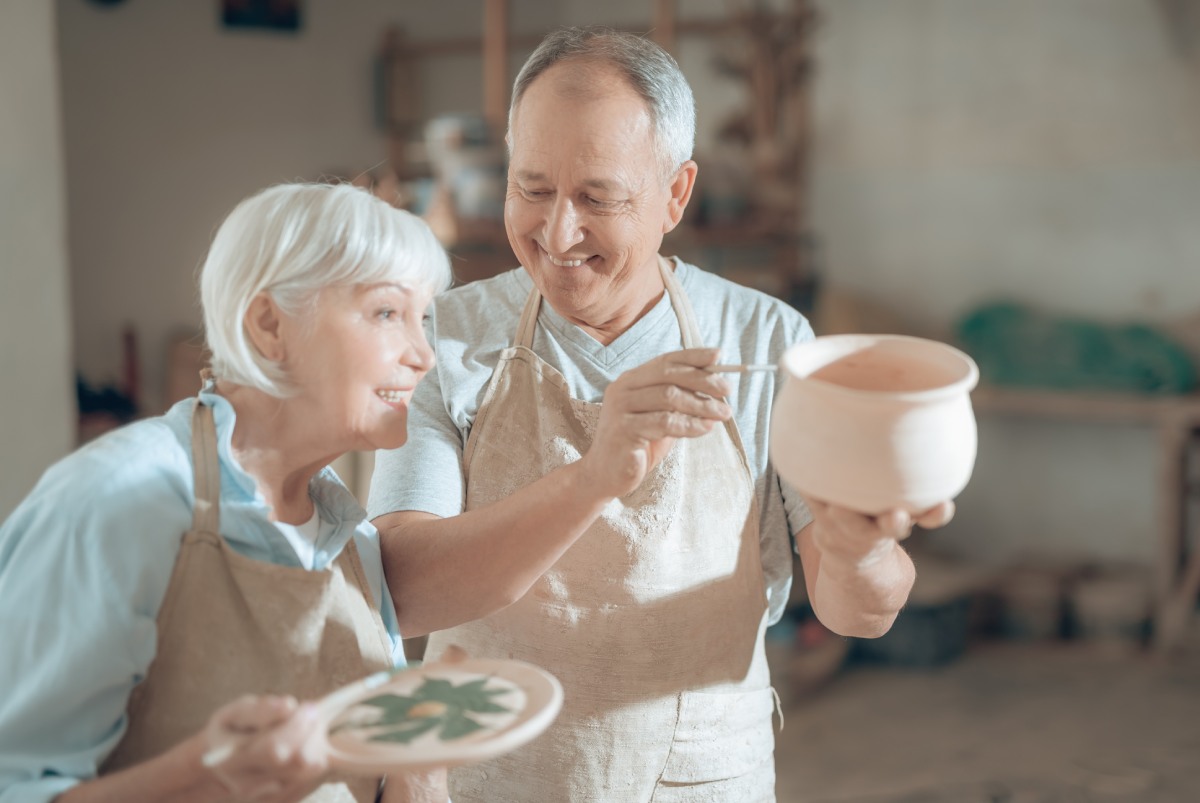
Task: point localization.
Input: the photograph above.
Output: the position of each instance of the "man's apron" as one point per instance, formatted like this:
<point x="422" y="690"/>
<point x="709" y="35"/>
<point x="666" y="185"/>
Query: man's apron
<point x="230" y="625"/>
<point x="653" y="620"/>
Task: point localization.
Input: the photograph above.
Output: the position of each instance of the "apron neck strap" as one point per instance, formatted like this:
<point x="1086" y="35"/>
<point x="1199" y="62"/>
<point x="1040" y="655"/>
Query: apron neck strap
<point x="528" y="324"/>
<point x="688" y="327"/>
<point x="207" y="471"/>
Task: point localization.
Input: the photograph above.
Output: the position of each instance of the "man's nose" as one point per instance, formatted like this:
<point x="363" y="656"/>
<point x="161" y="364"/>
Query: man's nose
<point x="563" y="228"/>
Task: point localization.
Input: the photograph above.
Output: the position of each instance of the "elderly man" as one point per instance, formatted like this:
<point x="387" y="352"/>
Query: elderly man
<point x="571" y="403"/>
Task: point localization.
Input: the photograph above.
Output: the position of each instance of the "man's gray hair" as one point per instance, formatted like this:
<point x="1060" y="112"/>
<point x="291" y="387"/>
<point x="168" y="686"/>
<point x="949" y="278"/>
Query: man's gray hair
<point x="650" y="71"/>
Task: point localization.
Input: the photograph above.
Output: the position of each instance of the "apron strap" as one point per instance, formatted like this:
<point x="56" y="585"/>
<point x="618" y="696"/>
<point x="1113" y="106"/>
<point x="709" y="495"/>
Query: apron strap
<point x="206" y="513"/>
<point x="529" y="315"/>
<point x="690" y="331"/>
<point x="688" y="328"/>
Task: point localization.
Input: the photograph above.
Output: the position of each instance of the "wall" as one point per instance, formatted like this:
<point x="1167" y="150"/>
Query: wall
<point x="1046" y="152"/>
<point x="37" y="410"/>
<point x="171" y="120"/>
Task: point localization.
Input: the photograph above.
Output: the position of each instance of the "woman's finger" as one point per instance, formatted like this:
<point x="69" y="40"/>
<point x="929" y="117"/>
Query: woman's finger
<point x="252" y="713"/>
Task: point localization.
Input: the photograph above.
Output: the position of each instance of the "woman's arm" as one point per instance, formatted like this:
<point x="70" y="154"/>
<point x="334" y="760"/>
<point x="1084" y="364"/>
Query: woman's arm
<point x="275" y="760"/>
<point x="84" y="563"/>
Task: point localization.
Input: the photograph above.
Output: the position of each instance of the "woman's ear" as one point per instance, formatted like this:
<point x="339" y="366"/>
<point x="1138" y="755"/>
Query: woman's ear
<point x="264" y="328"/>
<point x="681" y="192"/>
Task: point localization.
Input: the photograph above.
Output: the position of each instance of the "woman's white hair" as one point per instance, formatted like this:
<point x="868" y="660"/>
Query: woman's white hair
<point x="292" y="241"/>
<point x="649" y="69"/>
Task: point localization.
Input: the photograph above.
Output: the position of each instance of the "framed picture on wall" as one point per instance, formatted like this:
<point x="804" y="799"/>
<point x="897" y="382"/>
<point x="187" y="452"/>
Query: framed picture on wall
<point x="276" y="15"/>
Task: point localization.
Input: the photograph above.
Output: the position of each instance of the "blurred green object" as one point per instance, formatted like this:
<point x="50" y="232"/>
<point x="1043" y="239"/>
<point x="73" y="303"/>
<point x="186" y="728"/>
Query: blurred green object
<point x="1014" y="345"/>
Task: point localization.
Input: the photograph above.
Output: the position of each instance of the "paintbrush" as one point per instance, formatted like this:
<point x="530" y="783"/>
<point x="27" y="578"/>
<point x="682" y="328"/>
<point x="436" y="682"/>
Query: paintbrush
<point x="740" y="369"/>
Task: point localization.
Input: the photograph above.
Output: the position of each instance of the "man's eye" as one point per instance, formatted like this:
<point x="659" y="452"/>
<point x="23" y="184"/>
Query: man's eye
<point x="599" y="203"/>
<point x="386" y="314"/>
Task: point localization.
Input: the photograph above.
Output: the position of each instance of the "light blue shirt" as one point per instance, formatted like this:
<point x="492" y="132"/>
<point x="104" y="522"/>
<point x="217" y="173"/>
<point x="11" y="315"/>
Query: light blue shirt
<point x="469" y="327"/>
<point x="85" y="561"/>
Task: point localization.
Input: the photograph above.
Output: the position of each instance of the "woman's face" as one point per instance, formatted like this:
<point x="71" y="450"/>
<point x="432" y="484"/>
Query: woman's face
<point x="356" y="359"/>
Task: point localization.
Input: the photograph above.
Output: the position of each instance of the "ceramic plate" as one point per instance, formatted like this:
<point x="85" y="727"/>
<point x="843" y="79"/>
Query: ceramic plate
<point x="443" y="715"/>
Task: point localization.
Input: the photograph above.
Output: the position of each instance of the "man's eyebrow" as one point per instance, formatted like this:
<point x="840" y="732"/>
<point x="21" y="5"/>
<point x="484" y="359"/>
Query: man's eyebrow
<point x="594" y="183"/>
<point x="600" y="184"/>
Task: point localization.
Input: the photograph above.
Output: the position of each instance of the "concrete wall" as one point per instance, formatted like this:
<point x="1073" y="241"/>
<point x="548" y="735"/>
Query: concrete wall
<point x="1046" y="151"/>
<point x="37" y="407"/>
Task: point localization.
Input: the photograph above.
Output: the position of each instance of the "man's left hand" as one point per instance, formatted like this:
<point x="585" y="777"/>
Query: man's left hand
<point x="859" y="540"/>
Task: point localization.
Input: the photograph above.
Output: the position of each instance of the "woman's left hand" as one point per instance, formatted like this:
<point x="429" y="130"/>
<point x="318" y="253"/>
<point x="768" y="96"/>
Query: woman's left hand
<point x="261" y="748"/>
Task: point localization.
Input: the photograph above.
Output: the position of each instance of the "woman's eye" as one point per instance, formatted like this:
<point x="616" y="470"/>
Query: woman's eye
<point x="386" y="314"/>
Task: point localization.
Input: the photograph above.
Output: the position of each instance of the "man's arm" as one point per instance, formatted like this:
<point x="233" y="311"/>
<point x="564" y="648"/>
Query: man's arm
<point x="446" y="571"/>
<point x="857" y="575"/>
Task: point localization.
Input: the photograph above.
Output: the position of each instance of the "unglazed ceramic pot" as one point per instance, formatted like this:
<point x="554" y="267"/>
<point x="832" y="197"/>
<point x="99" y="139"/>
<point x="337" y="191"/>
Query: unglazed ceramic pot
<point x="875" y="422"/>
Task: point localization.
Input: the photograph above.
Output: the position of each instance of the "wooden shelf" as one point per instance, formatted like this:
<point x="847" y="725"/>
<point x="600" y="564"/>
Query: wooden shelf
<point x="1176" y="420"/>
<point x="1085" y="406"/>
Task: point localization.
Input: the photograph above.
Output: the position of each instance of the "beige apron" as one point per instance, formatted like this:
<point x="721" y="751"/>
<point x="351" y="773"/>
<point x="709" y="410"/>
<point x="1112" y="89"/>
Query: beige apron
<point x="230" y="625"/>
<point x="653" y="619"/>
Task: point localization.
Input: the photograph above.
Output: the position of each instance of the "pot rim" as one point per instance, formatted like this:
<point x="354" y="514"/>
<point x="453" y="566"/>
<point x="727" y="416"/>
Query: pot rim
<point x="847" y="344"/>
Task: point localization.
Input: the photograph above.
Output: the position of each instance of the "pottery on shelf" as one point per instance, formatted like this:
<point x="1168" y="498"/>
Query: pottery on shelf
<point x="875" y="422"/>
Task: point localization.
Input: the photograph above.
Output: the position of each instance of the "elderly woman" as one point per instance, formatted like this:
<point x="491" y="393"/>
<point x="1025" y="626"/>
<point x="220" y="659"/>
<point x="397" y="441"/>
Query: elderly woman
<point x="194" y="559"/>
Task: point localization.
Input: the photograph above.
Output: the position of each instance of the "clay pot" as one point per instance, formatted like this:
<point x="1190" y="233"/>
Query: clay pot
<point x="875" y="422"/>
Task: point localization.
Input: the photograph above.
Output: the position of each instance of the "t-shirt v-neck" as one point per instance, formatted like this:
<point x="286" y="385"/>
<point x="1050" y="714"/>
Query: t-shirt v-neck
<point x="661" y="315"/>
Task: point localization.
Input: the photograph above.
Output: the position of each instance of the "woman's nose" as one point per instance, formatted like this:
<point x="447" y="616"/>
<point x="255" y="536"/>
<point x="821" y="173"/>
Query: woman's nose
<point x="563" y="229"/>
<point x="420" y="355"/>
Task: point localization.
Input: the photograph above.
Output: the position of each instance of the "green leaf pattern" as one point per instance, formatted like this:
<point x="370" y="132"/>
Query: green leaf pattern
<point x="436" y="704"/>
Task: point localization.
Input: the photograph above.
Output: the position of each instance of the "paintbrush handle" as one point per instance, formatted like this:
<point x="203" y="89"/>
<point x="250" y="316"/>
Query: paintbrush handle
<point x="740" y="369"/>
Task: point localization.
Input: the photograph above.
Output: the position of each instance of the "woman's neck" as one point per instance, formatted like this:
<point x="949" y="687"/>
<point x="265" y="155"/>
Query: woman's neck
<point x="272" y="441"/>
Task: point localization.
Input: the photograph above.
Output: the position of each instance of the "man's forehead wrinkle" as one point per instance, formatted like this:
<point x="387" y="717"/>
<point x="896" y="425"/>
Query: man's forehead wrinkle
<point x="600" y="167"/>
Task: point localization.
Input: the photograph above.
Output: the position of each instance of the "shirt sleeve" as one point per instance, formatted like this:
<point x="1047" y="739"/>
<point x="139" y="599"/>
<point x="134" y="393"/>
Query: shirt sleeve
<point x="425" y="473"/>
<point x="798" y="514"/>
<point x="84" y="563"/>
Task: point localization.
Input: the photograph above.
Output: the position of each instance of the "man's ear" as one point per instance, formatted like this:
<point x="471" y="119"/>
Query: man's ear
<point x="264" y="328"/>
<point x="681" y="192"/>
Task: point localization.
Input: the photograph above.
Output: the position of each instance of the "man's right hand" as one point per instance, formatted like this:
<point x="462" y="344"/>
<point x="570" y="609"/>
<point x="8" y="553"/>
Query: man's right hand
<point x="645" y="409"/>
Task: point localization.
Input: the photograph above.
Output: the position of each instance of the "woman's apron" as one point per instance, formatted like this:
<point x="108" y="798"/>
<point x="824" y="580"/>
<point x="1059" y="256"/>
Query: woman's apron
<point x="653" y="620"/>
<point x="230" y="625"/>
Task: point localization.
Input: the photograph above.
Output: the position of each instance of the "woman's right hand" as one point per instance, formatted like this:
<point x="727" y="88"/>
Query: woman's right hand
<point x="262" y="748"/>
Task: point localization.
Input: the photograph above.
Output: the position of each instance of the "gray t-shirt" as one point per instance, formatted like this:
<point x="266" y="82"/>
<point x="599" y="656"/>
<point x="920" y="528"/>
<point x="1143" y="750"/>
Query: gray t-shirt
<point x="469" y="327"/>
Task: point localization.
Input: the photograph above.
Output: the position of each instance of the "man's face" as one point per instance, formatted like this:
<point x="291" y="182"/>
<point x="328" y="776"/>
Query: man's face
<point x="588" y="203"/>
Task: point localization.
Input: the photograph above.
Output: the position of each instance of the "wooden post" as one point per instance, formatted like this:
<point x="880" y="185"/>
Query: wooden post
<point x="665" y="25"/>
<point x="495" y="65"/>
